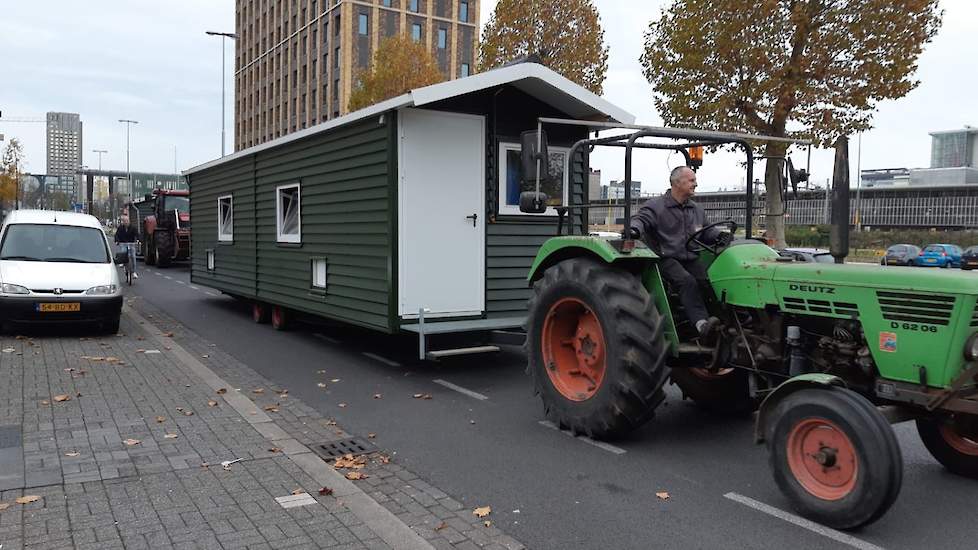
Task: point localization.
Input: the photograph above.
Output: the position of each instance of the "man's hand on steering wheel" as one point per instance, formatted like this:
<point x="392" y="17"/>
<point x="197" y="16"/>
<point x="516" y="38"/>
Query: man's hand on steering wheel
<point x="722" y="241"/>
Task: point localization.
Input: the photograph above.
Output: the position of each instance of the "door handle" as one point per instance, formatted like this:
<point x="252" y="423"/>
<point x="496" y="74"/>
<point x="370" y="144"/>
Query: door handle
<point x="473" y="217"/>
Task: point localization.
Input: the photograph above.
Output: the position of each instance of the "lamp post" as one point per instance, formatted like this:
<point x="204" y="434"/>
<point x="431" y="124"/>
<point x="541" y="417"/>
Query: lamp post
<point x="128" y="124"/>
<point x="223" y="35"/>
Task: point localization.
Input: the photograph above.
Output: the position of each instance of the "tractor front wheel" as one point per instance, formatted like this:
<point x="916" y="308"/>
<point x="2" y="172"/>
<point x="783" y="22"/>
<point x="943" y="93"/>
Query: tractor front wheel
<point x="596" y="348"/>
<point x="835" y="457"/>
<point x="953" y="441"/>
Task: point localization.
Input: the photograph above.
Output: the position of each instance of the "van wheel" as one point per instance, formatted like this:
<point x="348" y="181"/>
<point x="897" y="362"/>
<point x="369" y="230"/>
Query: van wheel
<point x="111" y="325"/>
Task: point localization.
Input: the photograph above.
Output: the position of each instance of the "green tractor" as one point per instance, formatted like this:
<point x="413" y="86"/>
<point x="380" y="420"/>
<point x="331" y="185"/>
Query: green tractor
<point x="827" y="355"/>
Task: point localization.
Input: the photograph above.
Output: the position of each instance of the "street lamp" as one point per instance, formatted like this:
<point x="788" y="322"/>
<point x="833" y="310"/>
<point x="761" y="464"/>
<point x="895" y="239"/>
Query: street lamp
<point x="100" y="153"/>
<point x="128" y="124"/>
<point x="223" y="35"/>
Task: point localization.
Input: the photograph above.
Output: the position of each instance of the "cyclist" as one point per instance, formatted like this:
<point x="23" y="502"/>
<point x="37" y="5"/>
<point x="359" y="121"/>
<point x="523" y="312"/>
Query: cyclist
<point x="126" y="235"/>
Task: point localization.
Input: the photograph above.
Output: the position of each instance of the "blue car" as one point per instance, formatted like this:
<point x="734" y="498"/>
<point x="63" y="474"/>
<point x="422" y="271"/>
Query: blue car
<point x="940" y="255"/>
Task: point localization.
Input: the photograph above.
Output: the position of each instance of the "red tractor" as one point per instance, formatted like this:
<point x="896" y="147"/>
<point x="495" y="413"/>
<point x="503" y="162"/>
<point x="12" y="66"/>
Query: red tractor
<point x="164" y="226"/>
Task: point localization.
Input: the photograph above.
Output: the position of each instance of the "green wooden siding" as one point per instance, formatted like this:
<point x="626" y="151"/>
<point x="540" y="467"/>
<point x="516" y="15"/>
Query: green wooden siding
<point x="347" y="189"/>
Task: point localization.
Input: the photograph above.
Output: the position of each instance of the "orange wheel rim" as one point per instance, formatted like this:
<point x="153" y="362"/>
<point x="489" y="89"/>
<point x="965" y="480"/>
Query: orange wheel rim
<point x="964" y="445"/>
<point x="822" y="459"/>
<point x="574" y="349"/>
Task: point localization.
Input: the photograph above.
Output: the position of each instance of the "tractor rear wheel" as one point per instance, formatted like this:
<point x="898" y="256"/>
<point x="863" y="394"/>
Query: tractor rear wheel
<point x="595" y="347"/>
<point x="835" y="457"/>
<point x="953" y="441"/>
<point x="149" y="255"/>
<point x="722" y="391"/>
<point x="164" y="249"/>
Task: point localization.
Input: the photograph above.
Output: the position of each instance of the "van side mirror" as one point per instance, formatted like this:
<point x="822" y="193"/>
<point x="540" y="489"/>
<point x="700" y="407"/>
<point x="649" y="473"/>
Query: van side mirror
<point x="535" y="161"/>
<point x="532" y="202"/>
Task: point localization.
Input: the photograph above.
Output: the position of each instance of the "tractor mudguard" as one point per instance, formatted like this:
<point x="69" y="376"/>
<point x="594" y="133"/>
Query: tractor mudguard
<point x="788" y="387"/>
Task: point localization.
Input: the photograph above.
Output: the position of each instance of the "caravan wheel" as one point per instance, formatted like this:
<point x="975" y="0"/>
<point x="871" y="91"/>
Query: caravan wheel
<point x="279" y="318"/>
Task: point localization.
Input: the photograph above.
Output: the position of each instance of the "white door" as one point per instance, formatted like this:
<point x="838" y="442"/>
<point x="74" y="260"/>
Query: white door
<point x="441" y="213"/>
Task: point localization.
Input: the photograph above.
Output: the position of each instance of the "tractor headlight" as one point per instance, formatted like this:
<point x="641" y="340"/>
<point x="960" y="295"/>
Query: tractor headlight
<point x="102" y="290"/>
<point x="971" y="348"/>
<point x="8" y="288"/>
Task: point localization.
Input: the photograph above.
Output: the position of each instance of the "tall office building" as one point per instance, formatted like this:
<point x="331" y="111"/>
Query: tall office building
<point x="64" y="139"/>
<point x="297" y="60"/>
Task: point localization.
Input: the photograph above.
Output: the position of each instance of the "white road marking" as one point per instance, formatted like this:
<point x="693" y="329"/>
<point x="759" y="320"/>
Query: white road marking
<point x="382" y="359"/>
<point x="195" y="287"/>
<point x="326" y="338"/>
<point x="828" y="532"/>
<point x="151" y="351"/>
<point x="460" y="389"/>
<point x="167" y="277"/>
<point x="599" y="444"/>
<point x="181" y="282"/>
<point x="294" y="501"/>
<point x="212" y="294"/>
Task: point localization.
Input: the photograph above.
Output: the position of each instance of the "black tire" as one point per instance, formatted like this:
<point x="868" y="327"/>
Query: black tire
<point x="725" y="392"/>
<point x="111" y="325"/>
<point x="164" y="249"/>
<point x="635" y="355"/>
<point x="260" y="313"/>
<point x="149" y="257"/>
<point x="959" y="456"/>
<point x="876" y="454"/>
<point x="280" y="318"/>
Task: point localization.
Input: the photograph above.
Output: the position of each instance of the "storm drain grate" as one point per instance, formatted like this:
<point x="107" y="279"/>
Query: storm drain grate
<point x="10" y="436"/>
<point x="352" y="446"/>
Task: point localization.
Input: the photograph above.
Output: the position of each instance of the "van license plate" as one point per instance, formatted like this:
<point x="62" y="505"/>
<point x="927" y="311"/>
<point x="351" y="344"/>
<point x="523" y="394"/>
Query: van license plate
<point x="63" y="306"/>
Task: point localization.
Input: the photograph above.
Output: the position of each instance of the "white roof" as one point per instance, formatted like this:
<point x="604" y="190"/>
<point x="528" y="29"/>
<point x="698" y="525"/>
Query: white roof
<point x="52" y="217"/>
<point x="536" y="80"/>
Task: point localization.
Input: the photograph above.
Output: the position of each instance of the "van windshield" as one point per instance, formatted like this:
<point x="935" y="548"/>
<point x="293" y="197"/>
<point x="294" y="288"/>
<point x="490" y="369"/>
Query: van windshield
<point x="54" y="243"/>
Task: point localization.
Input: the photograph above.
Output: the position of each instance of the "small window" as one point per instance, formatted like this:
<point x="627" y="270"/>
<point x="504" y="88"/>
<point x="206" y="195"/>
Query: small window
<point x="387" y="3"/>
<point x="363" y="24"/>
<point x="225" y="219"/>
<point x="442" y="39"/>
<point x="413" y="5"/>
<point x="511" y="182"/>
<point x="416" y="32"/>
<point x="319" y="273"/>
<point x="210" y="259"/>
<point x="288" y="219"/>
<point x="464" y="70"/>
<point x="463" y="12"/>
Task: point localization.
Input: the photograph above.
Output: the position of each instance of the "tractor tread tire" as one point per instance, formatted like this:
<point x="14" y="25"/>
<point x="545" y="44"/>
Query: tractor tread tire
<point x="880" y="474"/>
<point x="164" y="252"/>
<point x="636" y="348"/>
<point x="956" y="462"/>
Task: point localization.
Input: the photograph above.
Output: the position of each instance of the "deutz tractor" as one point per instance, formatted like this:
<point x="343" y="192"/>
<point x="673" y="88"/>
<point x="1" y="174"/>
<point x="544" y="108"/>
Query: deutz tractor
<point x="165" y="226"/>
<point x="827" y="356"/>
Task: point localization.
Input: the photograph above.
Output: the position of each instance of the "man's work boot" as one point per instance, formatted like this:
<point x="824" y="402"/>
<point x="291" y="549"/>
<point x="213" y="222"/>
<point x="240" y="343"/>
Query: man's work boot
<point x="709" y="330"/>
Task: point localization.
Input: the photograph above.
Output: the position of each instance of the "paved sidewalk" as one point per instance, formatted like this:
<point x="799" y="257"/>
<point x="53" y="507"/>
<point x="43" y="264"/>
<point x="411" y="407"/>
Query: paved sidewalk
<point x="118" y="442"/>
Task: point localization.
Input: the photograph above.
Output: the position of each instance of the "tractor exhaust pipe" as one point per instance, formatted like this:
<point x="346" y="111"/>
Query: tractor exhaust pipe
<point x="839" y="236"/>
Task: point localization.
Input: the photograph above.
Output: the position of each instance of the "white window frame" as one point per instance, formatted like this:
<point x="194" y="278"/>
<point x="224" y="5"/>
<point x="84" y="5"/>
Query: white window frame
<point x="225" y="236"/>
<point x="287" y="237"/>
<point x="314" y="265"/>
<point x="514" y="210"/>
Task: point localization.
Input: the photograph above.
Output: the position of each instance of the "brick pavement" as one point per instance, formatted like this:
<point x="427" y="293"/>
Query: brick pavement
<point x="121" y="462"/>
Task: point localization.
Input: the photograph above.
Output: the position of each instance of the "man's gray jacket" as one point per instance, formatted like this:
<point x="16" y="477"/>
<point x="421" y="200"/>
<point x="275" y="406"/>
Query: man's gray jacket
<point x="665" y="225"/>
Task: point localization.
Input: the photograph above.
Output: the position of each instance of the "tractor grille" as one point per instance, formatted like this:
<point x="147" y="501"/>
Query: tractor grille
<point x="821" y="306"/>
<point x="916" y="308"/>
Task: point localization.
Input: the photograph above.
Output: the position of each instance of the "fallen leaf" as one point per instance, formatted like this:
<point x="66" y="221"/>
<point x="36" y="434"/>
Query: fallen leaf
<point x="482" y="512"/>
<point x="45" y="402"/>
<point x="132" y="442"/>
<point x="140" y="350"/>
<point x="222" y="391"/>
<point x="320" y="372"/>
<point x="27" y="499"/>
<point x="78" y="394"/>
<point x="283" y="393"/>
<point x="471" y="421"/>
<point x="441" y="526"/>
<point x="353" y="476"/>
<point x="378" y="396"/>
<point x="297" y="491"/>
<point x="168" y="334"/>
<point x="188" y="413"/>
<point x="487" y="523"/>
<point x="421" y="396"/>
<point x="275" y="450"/>
<point x="62" y="397"/>
<point x="342" y="405"/>
<point x="111" y="359"/>
<point x="205" y="356"/>
<point x="321" y="384"/>
<point x="167" y="347"/>
<point x="160" y="419"/>
<point x="330" y="422"/>
<point x="204" y="465"/>
<point x="271" y="408"/>
<point x="170" y="436"/>
<point x="4" y="506"/>
<point x="335" y="380"/>
<point x="180" y="409"/>
<point x="72" y="454"/>
<point x="325" y="491"/>
<point x="258" y="390"/>
<point x="385" y="459"/>
<point x="69" y="370"/>
<point x="349" y="461"/>
<point x="8" y="350"/>
<point x="662" y="495"/>
<point x="212" y="403"/>
<point x="371" y="435"/>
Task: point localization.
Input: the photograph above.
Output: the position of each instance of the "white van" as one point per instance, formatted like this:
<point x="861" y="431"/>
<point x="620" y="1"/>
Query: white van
<point x="57" y="267"/>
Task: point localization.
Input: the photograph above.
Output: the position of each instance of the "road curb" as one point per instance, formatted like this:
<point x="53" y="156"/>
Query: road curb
<point x="378" y="519"/>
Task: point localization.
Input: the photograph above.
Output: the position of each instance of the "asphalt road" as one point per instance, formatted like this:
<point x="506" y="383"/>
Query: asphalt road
<point x="547" y="489"/>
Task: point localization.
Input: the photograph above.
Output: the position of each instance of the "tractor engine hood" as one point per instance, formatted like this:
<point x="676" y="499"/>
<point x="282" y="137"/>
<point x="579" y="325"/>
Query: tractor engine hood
<point x="875" y="277"/>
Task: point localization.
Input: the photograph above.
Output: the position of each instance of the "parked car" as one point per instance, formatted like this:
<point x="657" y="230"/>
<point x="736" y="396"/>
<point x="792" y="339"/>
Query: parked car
<point x="901" y="254"/>
<point x="940" y="255"/>
<point x="57" y="267"/>
<point x="818" y="255"/>
<point x="969" y="260"/>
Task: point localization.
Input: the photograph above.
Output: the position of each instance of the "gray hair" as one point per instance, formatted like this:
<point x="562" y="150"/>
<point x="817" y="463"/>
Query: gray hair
<point x="676" y="173"/>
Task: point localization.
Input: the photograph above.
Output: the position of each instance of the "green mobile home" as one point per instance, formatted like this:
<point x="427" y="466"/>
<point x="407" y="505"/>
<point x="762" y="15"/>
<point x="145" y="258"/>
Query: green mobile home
<point x="400" y="217"/>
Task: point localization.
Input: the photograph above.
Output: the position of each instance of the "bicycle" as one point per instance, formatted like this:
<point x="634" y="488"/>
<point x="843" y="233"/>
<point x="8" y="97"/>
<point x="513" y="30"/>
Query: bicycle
<point x="130" y="264"/>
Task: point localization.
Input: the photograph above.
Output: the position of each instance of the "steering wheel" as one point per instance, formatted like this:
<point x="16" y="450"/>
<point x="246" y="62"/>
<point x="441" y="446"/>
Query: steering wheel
<point x="694" y="239"/>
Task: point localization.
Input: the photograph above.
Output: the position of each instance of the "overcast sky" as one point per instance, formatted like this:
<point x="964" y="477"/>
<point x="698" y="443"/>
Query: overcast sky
<point x="152" y="62"/>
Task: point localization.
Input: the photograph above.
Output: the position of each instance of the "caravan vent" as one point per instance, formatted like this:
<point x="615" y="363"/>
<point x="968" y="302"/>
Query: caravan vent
<point x="931" y="309"/>
<point x="821" y="306"/>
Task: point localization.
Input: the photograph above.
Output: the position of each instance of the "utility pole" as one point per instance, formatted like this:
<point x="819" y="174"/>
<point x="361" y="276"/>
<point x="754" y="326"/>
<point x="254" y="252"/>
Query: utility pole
<point x="223" y="35"/>
<point x="128" y="124"/>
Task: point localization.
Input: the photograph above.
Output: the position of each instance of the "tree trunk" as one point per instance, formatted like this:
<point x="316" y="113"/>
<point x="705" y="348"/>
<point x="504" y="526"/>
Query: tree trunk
<point x="774" y="169"/>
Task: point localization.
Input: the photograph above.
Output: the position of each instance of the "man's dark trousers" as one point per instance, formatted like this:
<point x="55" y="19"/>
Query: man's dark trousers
<point x="687" y="277"/>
